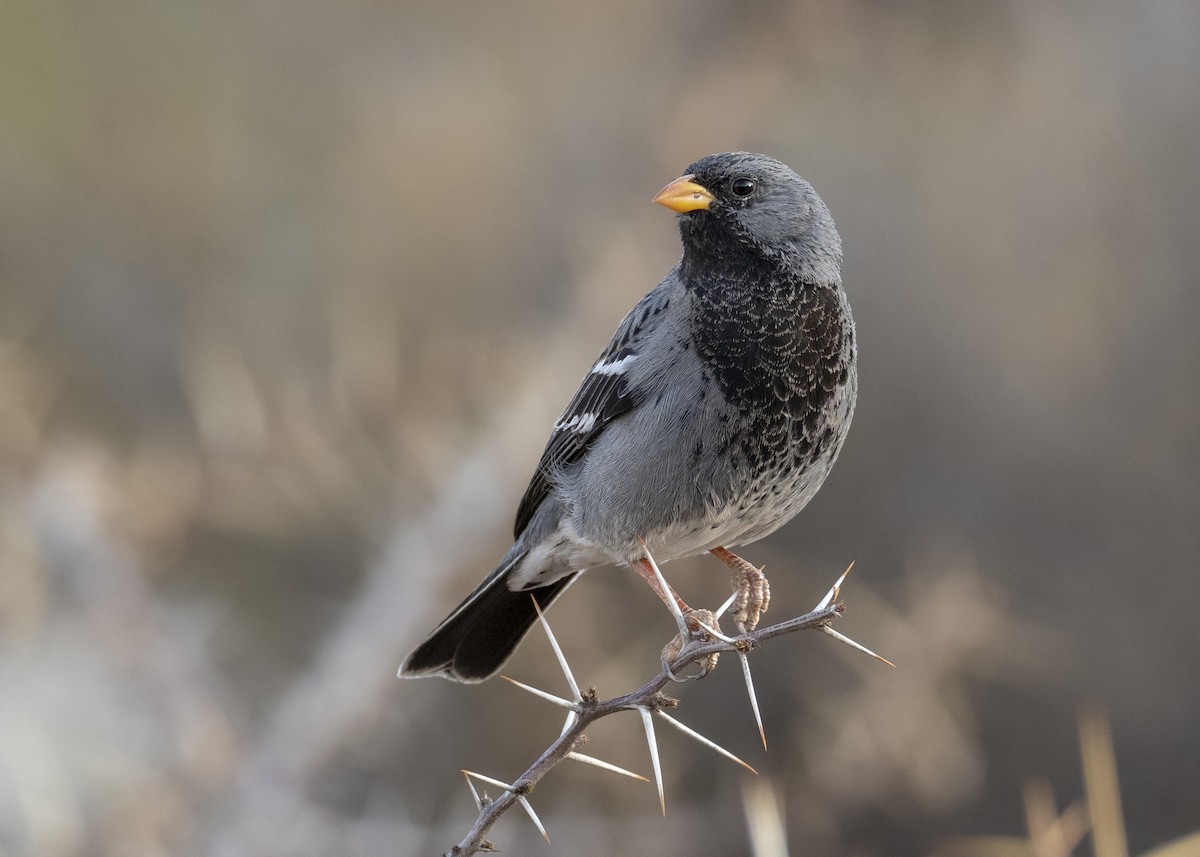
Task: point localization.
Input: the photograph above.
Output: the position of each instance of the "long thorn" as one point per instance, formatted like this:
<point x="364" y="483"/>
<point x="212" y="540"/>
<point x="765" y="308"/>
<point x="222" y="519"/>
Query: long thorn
<point x="492" y="782"/>
<point x="562" y="661"/>
<point x="572" y="716"/>
<point x="668" y="592"/>
<point x="648" y="723"/>
<point x="520" y="798"/>
<point x="705" y="741"/>
<point x="474" y="793"/>
<point x="728" y="603"/>
<point x="834" y="591"/>
<point x="533" y="815"/>
<point x="715" y="633"/>
<point x="600" y="763"/>
<point x="843" y="638"/>
<point x="549" y="697"/>
<point x="753" y="698"/>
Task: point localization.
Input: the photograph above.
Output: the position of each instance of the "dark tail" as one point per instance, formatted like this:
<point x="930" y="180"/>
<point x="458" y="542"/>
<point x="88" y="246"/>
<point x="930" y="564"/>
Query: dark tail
<point x="474" y="641"/>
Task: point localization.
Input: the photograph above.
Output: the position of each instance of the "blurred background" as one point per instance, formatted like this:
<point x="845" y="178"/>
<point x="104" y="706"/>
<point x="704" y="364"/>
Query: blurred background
<point x="291" y="293"/>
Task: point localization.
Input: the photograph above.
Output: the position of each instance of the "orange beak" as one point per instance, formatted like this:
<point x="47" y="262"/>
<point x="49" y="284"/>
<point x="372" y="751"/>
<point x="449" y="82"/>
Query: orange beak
<point x="683" y="194"/>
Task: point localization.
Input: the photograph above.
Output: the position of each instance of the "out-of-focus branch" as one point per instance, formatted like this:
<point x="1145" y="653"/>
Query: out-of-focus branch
<point x="354" y="665"/>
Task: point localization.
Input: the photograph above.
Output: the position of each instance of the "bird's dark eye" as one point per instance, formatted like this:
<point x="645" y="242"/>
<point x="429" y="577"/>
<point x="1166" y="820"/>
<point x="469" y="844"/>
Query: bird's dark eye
<point x="743" y="187"/>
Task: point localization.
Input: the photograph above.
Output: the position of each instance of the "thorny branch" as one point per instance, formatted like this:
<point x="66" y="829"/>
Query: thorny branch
<point x="702" y="644"/>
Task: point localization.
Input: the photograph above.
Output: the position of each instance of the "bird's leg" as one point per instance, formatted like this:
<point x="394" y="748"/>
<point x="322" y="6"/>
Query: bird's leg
<point x="642" y="567"/>
<point x="691" y="622"/>
<point x="754" y="593"/>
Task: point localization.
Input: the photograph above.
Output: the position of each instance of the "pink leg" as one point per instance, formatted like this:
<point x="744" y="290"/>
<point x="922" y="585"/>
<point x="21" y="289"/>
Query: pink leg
<point x="642" y="567"/>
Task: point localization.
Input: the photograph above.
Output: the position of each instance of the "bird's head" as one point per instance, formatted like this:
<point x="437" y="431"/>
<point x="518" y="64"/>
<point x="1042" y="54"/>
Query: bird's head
<point x="735" y="204"/>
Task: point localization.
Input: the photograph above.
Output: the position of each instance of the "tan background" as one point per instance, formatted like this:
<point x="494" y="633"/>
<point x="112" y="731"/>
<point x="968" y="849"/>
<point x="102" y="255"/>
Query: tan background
<point x="290" y="294"/>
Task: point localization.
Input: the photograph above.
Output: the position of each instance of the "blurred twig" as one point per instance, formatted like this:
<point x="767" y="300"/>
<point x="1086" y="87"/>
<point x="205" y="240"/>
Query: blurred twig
<point x="1102" y="786"/>
<point x="1052" y="834"/>
<point x="352" y="669"/>
<point x="764" y="819"/>
<point x="1057" y="835"/>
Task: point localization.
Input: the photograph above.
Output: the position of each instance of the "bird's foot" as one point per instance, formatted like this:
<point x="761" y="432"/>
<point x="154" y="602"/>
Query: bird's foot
<point x="695" y="620"/>
<point x="753" y="590"/>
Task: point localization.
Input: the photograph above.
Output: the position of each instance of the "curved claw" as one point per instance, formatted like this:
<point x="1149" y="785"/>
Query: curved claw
<point x="706" y="666"/>
<point x="680" y="679"/>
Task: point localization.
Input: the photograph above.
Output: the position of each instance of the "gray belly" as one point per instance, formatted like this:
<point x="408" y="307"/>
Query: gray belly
<point x="681" y="475"/>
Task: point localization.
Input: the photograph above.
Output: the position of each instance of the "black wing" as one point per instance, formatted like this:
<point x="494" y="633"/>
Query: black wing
<point x="603" y="396"/>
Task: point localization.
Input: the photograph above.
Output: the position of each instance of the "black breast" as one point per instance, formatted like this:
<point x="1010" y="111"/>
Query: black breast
<point x="778" y="350"/>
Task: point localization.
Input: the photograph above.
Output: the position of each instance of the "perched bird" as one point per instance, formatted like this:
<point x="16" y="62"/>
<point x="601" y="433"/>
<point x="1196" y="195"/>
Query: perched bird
<point x="710" y="419"/>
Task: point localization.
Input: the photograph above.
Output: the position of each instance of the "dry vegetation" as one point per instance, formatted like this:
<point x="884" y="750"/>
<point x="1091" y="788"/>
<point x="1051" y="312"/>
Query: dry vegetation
<point x="290" y="295"/>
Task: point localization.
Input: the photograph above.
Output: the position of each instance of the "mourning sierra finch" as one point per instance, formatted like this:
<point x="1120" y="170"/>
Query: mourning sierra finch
<point x="710" y="419"/>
